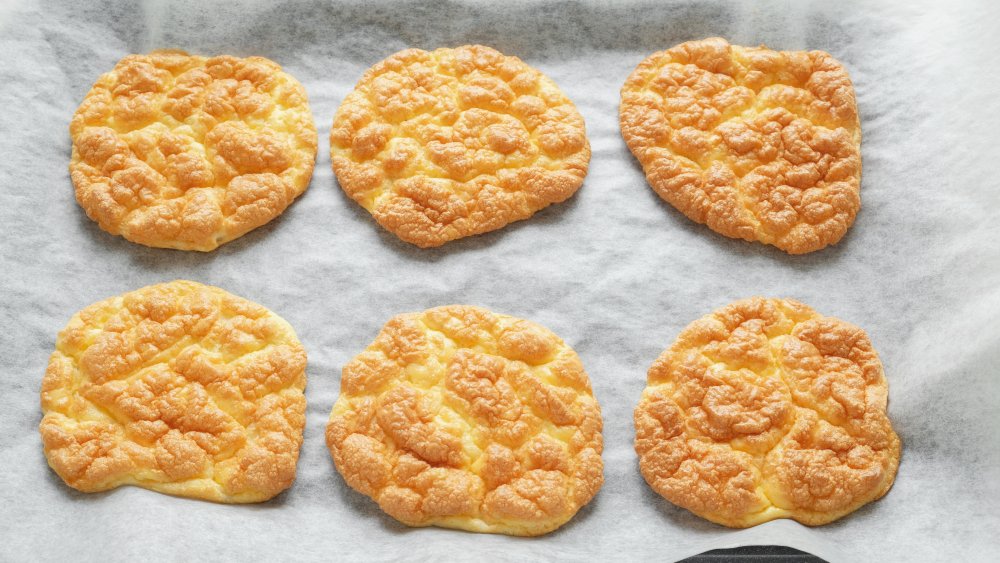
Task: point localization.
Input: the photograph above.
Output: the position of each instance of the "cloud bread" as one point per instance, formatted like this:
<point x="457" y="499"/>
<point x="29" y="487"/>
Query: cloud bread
<point x="179" y="151"/>
<point x="181" y="388"/>
<point x="758" y="144"/>
<point x="462" y="418"/>
<point x="765" y="409"/>
<point x="451" y="143"/>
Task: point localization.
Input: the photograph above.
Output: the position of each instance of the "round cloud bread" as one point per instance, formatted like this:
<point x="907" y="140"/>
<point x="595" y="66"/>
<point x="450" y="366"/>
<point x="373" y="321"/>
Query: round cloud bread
<point x="766" y="409"/>
<point x="179" y="151"/>
<point x="757" y="144"/>
<point x="462" y="418"/>
<point x="180" y="388"/>
<point x="451" y="143"/>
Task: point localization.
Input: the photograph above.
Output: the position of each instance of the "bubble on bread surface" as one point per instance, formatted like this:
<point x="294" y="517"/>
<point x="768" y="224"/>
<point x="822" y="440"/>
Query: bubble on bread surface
<point x="766" y="409"/>
<point x="462" y="418"/>
<point x="450" y="143"/>
<point x="181" y="388"/>
<point x="757" y="144"/>
<point x="180" y="151"/>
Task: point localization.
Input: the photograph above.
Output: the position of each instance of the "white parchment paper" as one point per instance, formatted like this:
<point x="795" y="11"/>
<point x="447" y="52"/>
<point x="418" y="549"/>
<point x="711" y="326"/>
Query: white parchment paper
<point x="614" y="271"/>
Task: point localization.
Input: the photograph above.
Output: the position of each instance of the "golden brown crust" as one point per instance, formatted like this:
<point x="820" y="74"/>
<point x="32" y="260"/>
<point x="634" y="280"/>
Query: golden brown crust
<point x="456" y="142"/>
<point x="757" y="144"/>
<point x="179" y="151"/>
<point x="462" y="418"/>
<point x="766" y="409"/>
<point x="180" y="388"/>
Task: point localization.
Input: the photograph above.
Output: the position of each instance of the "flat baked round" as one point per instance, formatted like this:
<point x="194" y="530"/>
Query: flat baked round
<point x="760" y="145"/>
<point x="766" y="409"/>
<point x="180" y="151"/>
<point x="179" y="387"/>
<point x="451" y="143"/>
<point x="462" y="418"/>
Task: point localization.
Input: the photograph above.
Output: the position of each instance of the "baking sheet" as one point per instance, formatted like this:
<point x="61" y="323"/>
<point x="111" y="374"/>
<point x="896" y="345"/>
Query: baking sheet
<point x="614" y="271"/>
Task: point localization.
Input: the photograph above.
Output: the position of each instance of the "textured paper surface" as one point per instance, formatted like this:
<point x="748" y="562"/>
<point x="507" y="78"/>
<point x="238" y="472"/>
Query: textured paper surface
<point x="614" y="271"/>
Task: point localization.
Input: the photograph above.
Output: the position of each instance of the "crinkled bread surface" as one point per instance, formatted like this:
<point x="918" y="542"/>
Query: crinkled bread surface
<point x="462" y="418"/>
<point x="180" y="388"/>
<point x="757" y="144"/>
<point x="451" y="143"/>
<point x="766" y="409"/>
<point x="180" y="151"/>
